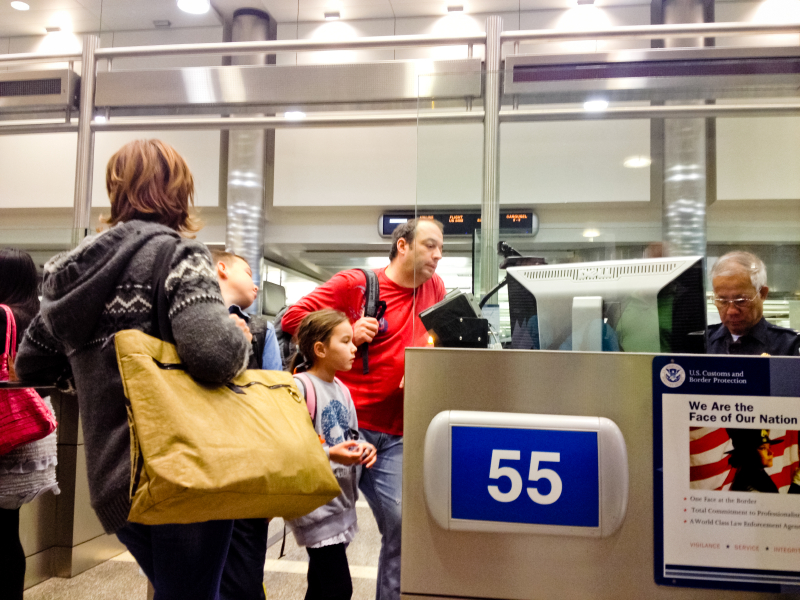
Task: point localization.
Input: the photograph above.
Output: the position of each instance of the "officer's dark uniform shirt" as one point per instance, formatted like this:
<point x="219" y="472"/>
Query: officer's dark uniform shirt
<point x="763" y="338"/>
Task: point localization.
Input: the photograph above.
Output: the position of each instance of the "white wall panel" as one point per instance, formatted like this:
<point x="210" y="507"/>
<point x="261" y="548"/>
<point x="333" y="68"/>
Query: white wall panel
<point x="771" y="11"/>
<point x="5" y="48"/>
<point x="335" y="30"/>
<point x="154" y="37"/>
<point x="37" y="171"/>
<point x="758" y="158"/>
<point x="359" y="166"/>
<point x="200" y="149"/>
<point x="450" y="159"/>
<point x="455" y="24"/>
<point x="584" y="17"/>
<point x="544" y="163"/>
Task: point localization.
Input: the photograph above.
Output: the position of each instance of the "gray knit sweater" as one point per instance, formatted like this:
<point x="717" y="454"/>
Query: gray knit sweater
<point x="104" y="286"/>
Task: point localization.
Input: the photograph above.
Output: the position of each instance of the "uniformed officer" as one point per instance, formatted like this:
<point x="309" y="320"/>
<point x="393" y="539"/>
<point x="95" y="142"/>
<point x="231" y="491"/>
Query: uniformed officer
<point x="750" y="456"/>
<point x="740" y="287"/>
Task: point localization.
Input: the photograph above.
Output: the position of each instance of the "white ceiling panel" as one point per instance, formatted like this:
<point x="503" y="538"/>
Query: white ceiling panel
<point x="125" y="18"/>
<point x="34" y="22"/>
<point x="128" y="15"/>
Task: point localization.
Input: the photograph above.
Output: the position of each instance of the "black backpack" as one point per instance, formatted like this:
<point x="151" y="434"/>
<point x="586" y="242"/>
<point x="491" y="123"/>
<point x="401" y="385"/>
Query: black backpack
<point x="373" y="307"/>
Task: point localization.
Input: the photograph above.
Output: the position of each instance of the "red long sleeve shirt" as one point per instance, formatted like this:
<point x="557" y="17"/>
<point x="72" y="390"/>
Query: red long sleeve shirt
<point x="377" y="395"/>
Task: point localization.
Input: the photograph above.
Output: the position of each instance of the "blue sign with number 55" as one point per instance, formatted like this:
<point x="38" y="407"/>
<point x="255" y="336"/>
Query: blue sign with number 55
<point x="539" y="476"/>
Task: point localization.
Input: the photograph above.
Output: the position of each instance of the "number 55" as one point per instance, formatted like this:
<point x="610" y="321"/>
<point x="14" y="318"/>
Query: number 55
<point x="535" y="474"/>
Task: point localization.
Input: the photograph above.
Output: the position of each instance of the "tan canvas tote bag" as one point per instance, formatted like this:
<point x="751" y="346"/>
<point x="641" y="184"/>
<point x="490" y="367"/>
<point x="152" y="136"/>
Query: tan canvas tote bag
<point x="198" y="452"/>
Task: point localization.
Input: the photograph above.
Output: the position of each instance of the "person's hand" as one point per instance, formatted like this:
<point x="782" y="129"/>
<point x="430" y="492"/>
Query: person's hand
<point x="402" y="382"/>
<point x="346" y="453"/>
<point x="241" y="324"/>
<point x="364" y="330"/>
<point x="369" y="454"/>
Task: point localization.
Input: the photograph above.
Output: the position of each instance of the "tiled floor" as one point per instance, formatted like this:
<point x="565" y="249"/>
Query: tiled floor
<point x="284" y="577"/>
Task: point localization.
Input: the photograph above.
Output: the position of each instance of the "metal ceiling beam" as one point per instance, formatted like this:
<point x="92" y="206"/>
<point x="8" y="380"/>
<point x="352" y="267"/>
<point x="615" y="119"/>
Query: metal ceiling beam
<point x="650" y="112"/>
<point x="649" y="32"/>
<point x="234" y="48"/>
<point x="506" y="116"/>
<point x="282" y="123"/>
<point x="34" y="57"/>
<point x="17" y="129"/>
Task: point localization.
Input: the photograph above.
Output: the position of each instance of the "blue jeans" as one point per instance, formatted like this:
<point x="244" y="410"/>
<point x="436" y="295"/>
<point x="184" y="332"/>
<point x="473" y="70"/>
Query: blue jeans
<point x="382" y="486"/>
<point x="181" y="561"/>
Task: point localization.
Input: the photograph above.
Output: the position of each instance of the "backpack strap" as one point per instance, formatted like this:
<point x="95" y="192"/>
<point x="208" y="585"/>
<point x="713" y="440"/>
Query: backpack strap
<point x="161" y="323"/>
<point x="338" y="382"/>
<point x="311" y="394"/>
<point x="373" y="307"/>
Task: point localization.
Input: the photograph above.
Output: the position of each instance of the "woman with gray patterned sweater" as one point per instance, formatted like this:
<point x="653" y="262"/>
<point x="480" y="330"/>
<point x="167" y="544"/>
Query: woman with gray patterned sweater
<point x="104" y="286"/>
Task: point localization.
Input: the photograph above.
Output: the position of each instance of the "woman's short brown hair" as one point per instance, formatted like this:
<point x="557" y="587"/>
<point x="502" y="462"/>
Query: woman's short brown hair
<point x="149" y="180"/>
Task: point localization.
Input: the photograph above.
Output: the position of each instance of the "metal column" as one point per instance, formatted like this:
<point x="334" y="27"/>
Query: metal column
<point x="82" y="206"/>
<point x="685" y="161"/>
<point x="490" y="203"/>
<point x="250" y="158"/>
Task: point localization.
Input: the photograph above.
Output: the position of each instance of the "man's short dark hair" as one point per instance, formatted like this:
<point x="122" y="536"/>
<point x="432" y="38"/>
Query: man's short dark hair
<point x="408" y="231"/>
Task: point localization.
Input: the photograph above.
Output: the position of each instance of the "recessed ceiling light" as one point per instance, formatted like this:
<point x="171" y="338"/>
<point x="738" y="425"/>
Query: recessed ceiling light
<point x="332" y="16"/>
<point x="294" y="115"/>
<point x="195" y="7"/>
<point x="637" y="162"/>
<point x="53" y="29"/>
<point x="452" y="9"/>
<point x="20" y="6"/>
<point x="595" y="105"/>
<point x="161" y="23"/>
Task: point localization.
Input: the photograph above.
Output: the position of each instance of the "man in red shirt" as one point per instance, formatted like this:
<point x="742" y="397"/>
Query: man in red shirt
<point x="408" y="285"/>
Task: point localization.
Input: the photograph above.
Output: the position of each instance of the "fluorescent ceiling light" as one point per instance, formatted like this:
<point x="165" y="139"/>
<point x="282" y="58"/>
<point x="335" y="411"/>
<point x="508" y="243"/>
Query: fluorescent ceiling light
<point x="595" y="105"/>
<point x="294" y="115"/>
<point x="590" y="233"/>
<point x="637" y="162"/>
<point x="20" y="6"/>
<point x="195" y="7"/>
<point x="454" y="9"/>
<point x="332" y="16"/>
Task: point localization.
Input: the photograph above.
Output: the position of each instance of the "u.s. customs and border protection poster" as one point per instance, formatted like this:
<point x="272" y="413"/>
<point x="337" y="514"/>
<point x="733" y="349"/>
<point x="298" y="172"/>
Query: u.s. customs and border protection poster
<point x="726" y="480"/>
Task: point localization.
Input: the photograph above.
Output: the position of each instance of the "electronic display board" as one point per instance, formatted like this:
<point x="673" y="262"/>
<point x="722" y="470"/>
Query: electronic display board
<point x="464" y="223"/>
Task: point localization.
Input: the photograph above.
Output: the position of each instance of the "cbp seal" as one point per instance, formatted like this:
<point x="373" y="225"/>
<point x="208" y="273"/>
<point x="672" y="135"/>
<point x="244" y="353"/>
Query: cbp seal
<point x="673" y="375"/>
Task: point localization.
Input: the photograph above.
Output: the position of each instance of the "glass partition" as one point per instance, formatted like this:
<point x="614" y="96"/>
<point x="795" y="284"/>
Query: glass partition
<point x="614" y="177"/>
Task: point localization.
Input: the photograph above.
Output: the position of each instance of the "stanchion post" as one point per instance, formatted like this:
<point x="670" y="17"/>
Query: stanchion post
<point x="490" y="203"/>
<point x="82" y="206"/>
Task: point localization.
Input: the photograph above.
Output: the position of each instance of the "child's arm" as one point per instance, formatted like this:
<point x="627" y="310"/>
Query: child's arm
<point x="346" y="453"/>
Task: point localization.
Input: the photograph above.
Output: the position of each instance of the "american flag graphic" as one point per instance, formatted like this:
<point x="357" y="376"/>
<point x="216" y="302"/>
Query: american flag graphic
<point x="709" y="468"/>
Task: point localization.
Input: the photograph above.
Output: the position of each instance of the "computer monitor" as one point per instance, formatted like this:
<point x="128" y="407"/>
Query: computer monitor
<point x="643" y="305"/>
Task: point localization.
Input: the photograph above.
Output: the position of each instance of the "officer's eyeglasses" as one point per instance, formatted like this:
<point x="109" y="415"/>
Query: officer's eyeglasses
<point x="725" y="303"/>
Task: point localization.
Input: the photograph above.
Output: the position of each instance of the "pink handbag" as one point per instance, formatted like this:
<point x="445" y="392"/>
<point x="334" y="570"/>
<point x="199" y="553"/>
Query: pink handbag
<point x="24" y="417"/>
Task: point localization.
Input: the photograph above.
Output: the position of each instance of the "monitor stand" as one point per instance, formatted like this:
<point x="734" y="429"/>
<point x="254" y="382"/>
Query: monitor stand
<point x="587" y="323"/>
